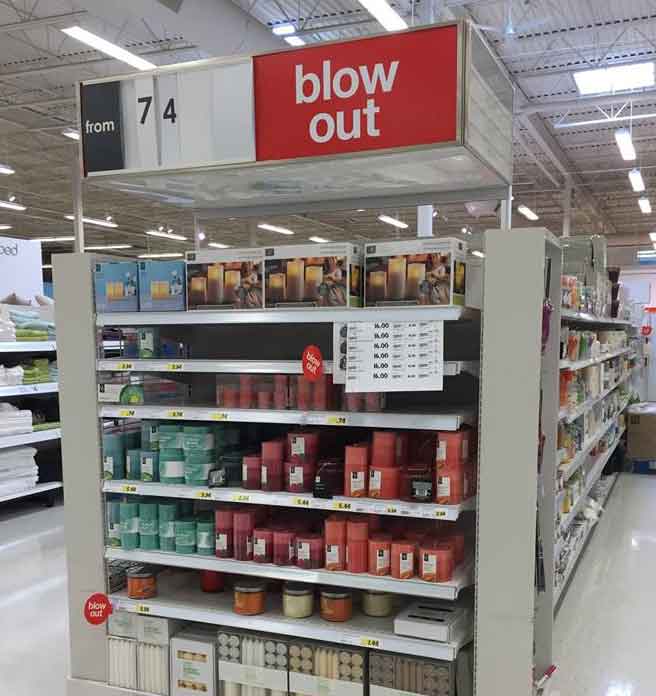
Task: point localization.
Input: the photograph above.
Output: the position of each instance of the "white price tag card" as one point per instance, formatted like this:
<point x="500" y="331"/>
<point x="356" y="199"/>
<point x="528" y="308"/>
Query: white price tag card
<point x="395" y="356"/>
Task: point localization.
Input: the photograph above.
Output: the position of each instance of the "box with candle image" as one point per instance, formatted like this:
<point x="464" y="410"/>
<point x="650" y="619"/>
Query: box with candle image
<point x="230" y="279"/>
<point x="116" y="286"/>
<point x="161" y="286"/>
<point x="399" y="675"/>
<point x="324" y="669"/>
<point x="313" y="275"/>
<point x="424" y="272"/>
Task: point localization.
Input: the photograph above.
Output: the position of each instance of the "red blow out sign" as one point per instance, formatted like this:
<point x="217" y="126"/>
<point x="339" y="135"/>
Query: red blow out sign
<point x="312" y="363"/>
<point x="383" y="92"/>
<point x="97" y="609"/>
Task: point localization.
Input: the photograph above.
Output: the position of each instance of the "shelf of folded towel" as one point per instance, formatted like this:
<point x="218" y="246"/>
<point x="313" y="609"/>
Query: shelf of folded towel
<point x="33" y="372"/>
<point x="23" y="323"/>
<point x="19" y="474"/>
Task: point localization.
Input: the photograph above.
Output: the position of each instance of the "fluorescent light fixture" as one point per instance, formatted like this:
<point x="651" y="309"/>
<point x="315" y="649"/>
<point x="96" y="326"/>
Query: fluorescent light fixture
<point x="319" y="240"/>
<point x="71" y="133"/>
<point x="46" y="240"/>
<point x="218" y="245"/>
<point x="652" y="236"/>
<point x="527" y="213"/>
<point x="274" y="228"/>
<point x="201" y="236"/>
<point x="5" y="227"/>
<point x="94" y="221"/>
<point x="160" y="256"/>
<point x="108" y="247"/>
<point x="637" y="182"/>
<point x="360" y="210"/>
<point x="109" y="48"/>
<point x="645" y="206"/>
<point x="6" y="169"/>
<point x="11" y="198"/>
<point x="384" y="14"/>
<point x="294" y="41"/>
<point x="625" y="144"/>
<point x="46" y="266"/>
<point x="651" y="253"/>
<point x="617" y="78"/>
<point x="284" y="29"/>
<point x="464" y="230"/>
<point x="393" y="221"/>
<point x="478" y="253"/>
<point x="166" y="235"/>
<point x="8" y="205"/>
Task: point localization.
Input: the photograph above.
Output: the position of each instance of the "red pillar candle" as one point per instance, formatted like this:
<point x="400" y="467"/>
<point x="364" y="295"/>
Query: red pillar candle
<point x="223" y="519"/>
<point x="309" y="551"/>
<point x="251" y="472"/>
<point x="353" y="401"/>
<point x="243" y="525"/>
<point x="384" y="482"/>
<point x="403" y="559"/>
<point x="284" y="547"/>
<point x="357" y="556"/>
<point x="303" y="393"/>
<point x="211" y="581"/>
<point x="374" y="401"/>
<point x="379" y="554"/>
<point x="383" y="451"/>
<point x="230" y="396"/>
<point x="272" y="465"/>
<point x="246" y="391"/>
<point x="262" y="545"/>
<point x="335" y="536"/>
<point x="356" y="469"/>
<point x="436" y="562"/>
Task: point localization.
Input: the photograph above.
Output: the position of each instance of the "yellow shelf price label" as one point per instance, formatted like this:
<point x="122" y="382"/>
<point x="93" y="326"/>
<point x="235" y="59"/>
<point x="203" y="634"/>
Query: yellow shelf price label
<point x="339" y="505"/>
<point x="220" y="416"/>
<point x="336" y="420"/>
<point x="302" y="502"/>
<point x="241" y="498"/>
<point x="143" y="609"/>
<point x="391" y="510"/>
<point x="124" y="366"/>
<point x="174" y="367"/>
<point x="128" y="489"/>
<point x="369" y="642"/>
<point x="205" y="495"/>
<point x="440" y="513"/>
<point x="126" y="413"/>
<point x="177" y="413"/>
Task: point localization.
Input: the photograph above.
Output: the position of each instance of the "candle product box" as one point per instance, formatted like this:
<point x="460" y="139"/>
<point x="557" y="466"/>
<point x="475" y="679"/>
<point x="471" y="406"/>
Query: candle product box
<point x="399" y="675"/>
<point x="416" y="272"/>
<point x="116" y="286"/>
<point x="225" y="279"/>
<point x="324" y="669"/>
<point x="161" y="286"/>
<point x="193" y="662"/>
<point x="313" y="275"/>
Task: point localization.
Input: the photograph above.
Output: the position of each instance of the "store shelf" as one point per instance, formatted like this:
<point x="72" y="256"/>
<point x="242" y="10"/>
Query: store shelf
<point x="39" y="488"/>
<point x="30" y="438"/>
<point x="190" y="604"/>
<point x="398" y="508"/>
<point x="571" y="315"/>
<point x="570" y="416"/>
<point x="314" y="315"/>
<point x="580" y="364"/>
<point x="28" y="346"/>
<point x="449" y="419"/>
<point x="463" y="575"/>
<point x="574" y="559"/>
<point x="592" y="478"/>
<point x="289" y="367"/>
<point x="29" y="389"/>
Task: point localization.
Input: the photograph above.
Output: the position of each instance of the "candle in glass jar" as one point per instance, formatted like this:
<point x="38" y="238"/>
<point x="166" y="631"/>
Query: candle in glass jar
<point x="313" y="279"/>
<point x="277" y="288"/>
<point x="416" y="275"/>
<point x="232" y="282"/>
<point x="396" y="270"/>
<point x="377" y="286"/>
<point x="198" y="291"/>
<point x="295" y="278"/>
<point x="215" y="283"/>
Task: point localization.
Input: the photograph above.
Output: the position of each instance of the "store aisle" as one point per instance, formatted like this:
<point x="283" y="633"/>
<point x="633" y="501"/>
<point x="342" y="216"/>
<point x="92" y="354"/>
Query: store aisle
<point x="603" y="639"/>
<point x="33" y="600"/>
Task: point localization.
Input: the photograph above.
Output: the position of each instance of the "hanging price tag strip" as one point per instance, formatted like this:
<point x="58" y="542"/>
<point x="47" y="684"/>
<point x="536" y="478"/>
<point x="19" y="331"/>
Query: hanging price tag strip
<point x="204" y="495"/>
<point x="128" y="489"/>
<point x="395" y="356"/>
<point x="370" y="642"/>
<point x="126" y="413"/>
<point x="176" y="413"/>
<point x="175" y="367"/>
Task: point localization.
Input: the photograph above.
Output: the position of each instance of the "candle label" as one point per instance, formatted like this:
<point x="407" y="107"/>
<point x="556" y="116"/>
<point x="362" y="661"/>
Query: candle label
<point x="221" y="541"/>
<point x="444" y="487"/>
<point x="382" y="559"/>
<point x="259" y="547"/>
<point x="303" y="551"/>
<point x="296" y="476"/>
<point x="395" y="356"/>
<point x="332" y="554"/>
<point x="357" y="481"/>
<point x="374" y="481"/>
<point x="406" y="565"/>
<point x="298" y="445"/>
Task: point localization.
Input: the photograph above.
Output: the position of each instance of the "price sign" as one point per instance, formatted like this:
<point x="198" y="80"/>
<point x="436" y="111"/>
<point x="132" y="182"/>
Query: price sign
<point x="302" y="502"/>
<point x="128" y="489"/>
<point x="391" y="510"/>
<point x="175" y="414"/>
<point x="204" y="495"/>
<point x="336" y="420"/>
<point x="370" y="643"/>
<point x="440" y="513"/>
<point x="241" y="498"/>
<point x="339" y="505"/>
<point x="219" y="416"/>
<point x="395" y="356"/>
<point x="175" y="367"/>
<point x="124" y="366"/>
<point x="143" y="609"/>
<point x="126" y="413"/>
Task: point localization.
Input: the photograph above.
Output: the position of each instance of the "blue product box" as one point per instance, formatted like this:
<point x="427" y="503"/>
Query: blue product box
<point x="116" y="286"/>
<point x="162" y="286"/>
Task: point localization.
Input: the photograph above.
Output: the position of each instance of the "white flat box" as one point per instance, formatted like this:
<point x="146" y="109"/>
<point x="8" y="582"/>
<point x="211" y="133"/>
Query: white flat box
<point x="157" y="630"/>
<point x="321" y="686"/>
<point x="313" y="275"/>
<point x="432" y="620"/>
<point x="122" y="624"/>
<point x="261" y="677"/>
<point x="415" y="272"/>
<point x="193" y="664"/>
<point x="225" y="279"/>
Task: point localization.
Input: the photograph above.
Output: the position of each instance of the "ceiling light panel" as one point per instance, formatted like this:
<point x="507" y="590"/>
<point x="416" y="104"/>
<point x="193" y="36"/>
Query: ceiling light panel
<point x="617" y="78"/>
<point x="108" y="48"/>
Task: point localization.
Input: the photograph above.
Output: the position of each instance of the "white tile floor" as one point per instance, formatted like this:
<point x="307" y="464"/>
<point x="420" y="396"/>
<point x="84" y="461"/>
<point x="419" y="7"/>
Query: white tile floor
<point x="604" y="642"/>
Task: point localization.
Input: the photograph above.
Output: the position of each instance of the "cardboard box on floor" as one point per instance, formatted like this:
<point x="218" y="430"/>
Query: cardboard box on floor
<point x="642" y="430"/>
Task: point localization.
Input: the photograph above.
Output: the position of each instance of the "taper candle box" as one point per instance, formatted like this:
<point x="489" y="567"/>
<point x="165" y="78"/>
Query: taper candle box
<point x="162" y="286"/>
<point x="415" y="272"/>
<point x="116" y="286"/>
<point x="230" y="279"/>
<point x="313" y="275"/>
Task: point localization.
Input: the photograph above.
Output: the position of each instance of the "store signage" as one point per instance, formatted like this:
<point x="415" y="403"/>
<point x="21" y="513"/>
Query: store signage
<point x="97" y="609"/>
<point x="312" y="363"/>
<point x="102" y="134"/>
<point x="391" y="91"/>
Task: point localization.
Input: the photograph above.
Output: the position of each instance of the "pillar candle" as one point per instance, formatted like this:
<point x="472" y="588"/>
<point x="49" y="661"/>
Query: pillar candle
<point x="215" y="283"/>
<point x="232" y="282"/>
<point x="198" y="291"/>
<point x="377" y="289"/>
<point x="313" y="279"/>
<point x="277" y="288"/>
<point x="396" y="267"/>
<point x="416" y="275"/>
<point x="295" y="277"/>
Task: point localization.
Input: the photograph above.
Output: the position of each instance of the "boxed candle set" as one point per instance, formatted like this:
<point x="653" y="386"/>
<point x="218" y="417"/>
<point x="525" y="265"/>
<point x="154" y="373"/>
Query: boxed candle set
<point x="116" y="286"/>
<point x="193" y="662"/>
<point x="400" y="675"/>
<point x="161" y="286"/>
<point x="229" y="279"/>
<point x="313" y="275"/>
<point x="417" y="272"/>
<point x="323" y="669"/>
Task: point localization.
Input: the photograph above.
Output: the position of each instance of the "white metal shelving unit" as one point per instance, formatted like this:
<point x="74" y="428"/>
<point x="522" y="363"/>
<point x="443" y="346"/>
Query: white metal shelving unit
<point x="28" y="346"/>
<point x="30" y="438"/>
<point x="38" y="489"/>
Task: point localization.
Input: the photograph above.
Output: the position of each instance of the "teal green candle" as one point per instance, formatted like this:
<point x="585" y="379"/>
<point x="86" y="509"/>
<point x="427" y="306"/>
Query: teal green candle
<point x="205" y="537"/>
<point x="170" y="436"/>
<point x="133" y="465"/>
<point x="149" y="465"/>
<point x="185" y="536"/>
<point x="185" y="509"/>
<point x="150" y="435"/>
<point x="167" y="514"/>
<point x="113" y="456"/>
<point x="197" y="438"/>
<point x="197" y="467"/>
<point x="129" y="518"/>
<point x="171" y="466"/>
<point x="113" y="523"/>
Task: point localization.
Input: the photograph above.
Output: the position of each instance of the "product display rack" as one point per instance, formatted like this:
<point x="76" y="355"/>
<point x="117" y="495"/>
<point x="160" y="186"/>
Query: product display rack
<point x="479" y="165"/>
<point x="48" y="488"/>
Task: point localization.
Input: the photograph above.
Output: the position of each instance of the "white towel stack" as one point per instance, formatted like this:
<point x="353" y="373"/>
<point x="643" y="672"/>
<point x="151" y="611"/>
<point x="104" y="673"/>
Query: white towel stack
<point x="14" y="421"/>
<point x="11" y="376"/>
<point x="18" y="470"/>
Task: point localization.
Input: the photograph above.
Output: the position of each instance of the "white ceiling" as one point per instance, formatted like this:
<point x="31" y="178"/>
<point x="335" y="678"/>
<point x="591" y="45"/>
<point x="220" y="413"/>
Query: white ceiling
<point x="39" y="66"/>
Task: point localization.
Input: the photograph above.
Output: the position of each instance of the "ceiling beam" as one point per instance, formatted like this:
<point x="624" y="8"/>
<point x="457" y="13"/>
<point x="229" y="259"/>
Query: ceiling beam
<point x="40" y="22"/>
<point x="37" y="104"/>
<point x="585" y="102"/>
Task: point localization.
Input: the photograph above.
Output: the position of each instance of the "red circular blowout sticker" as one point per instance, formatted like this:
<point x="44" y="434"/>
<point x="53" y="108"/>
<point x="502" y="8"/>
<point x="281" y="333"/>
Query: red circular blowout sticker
<point x="97" y="608"/>
<point x="312" y="363"/>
